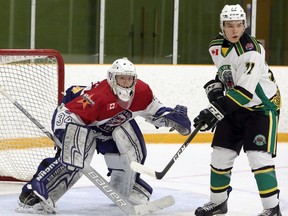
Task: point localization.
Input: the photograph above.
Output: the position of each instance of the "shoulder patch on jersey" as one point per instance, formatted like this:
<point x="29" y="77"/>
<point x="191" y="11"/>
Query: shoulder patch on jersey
<point x="217" y="41"/>
<point x="76" y="89"/>
<point x="247" y="43"/>
<point x="86" y="100"/>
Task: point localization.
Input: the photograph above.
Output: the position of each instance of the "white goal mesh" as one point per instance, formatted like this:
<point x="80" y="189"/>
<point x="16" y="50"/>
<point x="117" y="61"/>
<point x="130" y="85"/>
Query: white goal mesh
<point x="35" y="79"/>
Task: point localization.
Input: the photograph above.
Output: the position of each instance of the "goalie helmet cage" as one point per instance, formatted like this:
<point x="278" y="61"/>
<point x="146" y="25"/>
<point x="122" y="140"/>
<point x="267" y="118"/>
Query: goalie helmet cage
<point x="35" y="78"/>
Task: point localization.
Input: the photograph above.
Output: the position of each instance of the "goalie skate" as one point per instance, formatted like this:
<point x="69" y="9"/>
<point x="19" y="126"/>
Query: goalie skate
<point x="38" y="208"/>
<point x="34" y="204"/>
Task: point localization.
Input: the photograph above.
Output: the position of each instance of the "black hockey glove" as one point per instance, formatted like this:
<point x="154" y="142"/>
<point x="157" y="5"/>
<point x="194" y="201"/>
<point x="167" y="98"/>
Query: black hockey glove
<point x="214" y="90"/>
<point x="209" y="116"/>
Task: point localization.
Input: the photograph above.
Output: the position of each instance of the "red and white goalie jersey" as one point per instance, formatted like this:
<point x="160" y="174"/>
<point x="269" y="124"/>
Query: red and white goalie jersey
<point x="99" y="106"/>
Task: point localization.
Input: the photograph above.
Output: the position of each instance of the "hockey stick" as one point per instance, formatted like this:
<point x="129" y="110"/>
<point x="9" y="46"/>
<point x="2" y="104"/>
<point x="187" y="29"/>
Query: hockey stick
<point x="98" y="180"/>
<point x="140" y="168"/>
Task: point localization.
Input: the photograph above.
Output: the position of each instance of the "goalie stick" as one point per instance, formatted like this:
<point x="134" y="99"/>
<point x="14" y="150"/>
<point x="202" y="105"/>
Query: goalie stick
<point x="140" y="168"/>
<point x="98" y="180"/>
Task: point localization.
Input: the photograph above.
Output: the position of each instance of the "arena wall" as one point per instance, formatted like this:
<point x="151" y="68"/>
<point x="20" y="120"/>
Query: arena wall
<point x="179" y="84"/>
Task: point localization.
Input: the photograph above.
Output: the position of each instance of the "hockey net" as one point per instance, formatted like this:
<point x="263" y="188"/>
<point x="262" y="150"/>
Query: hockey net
<point x="35" y="79"/>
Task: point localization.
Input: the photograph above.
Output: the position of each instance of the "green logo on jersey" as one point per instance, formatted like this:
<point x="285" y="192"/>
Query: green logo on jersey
<point x="259" y="140"/>
<point x="225" y="75"/>
<point x="224" y="68"/>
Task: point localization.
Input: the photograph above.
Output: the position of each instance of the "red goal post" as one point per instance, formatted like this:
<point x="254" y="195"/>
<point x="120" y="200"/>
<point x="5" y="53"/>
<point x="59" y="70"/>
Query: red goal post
<point x="35" y="78"/>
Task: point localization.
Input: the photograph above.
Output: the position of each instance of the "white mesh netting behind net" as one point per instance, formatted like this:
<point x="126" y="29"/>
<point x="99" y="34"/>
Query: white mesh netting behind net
<point x="33" y="82"/>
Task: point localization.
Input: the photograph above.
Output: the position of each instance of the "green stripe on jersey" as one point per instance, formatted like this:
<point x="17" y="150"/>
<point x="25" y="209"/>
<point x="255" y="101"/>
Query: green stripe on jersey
<point x="239" y="49"/>
<point x="238" y="97"/>
<point x="216" y="42"/>
<point x="258" y="49"/>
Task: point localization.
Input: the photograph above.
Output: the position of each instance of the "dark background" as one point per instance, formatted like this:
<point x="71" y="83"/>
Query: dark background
<point x="141" y="30"/>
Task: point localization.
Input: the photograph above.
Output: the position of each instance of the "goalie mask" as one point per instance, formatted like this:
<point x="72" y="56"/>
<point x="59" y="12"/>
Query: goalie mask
<point x="122" y="67"/>
<point x="232" y="13"/>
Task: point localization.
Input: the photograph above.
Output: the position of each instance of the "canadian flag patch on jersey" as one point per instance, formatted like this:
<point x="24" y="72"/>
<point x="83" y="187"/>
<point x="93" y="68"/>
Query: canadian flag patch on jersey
<point x="214" y="52"/>
<point x="111" y="106"/>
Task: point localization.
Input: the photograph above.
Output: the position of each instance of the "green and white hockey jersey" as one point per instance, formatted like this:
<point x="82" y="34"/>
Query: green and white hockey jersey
<point x="245" y="74"/>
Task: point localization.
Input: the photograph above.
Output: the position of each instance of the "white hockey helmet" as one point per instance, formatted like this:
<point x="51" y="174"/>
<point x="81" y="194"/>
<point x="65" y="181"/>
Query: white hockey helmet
<point x="122" y="67"/>
<point x="232" y="12"/>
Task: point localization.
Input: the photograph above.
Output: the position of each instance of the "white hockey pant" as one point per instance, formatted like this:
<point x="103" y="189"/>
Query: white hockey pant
<point x="123" y="179"/>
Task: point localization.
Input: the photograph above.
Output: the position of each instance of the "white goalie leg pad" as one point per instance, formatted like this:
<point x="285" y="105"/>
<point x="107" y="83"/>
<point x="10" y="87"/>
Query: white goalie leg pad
<point x="130" y="149"/>
<point x="55" y="178"/>
<point x="70" y="174"/>
<point x="76" y="143"/>
<point x="61" y="182"/>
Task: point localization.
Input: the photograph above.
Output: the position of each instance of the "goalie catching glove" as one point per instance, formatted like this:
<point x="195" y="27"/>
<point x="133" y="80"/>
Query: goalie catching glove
<point x="176" y="118"/>
<point x="209" y="117"/>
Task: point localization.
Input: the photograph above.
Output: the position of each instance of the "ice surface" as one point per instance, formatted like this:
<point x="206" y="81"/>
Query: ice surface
<point x="187" y="181"/>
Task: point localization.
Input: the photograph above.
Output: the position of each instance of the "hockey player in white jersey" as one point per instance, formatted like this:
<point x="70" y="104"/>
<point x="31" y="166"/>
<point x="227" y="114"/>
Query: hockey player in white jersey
<point x="244" y="106"/>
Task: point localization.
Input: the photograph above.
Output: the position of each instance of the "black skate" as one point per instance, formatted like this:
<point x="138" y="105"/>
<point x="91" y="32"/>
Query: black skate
<point x="29" y="198"/>
<point x="210" y="209"/>
<point x="271" y="212"/>
<point x="31" y="203"/>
